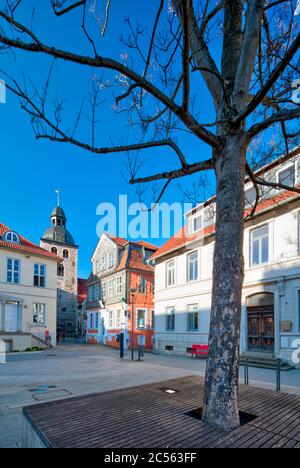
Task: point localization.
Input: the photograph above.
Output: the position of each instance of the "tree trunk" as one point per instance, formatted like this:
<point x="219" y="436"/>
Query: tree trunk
<point x="222" y="374"/>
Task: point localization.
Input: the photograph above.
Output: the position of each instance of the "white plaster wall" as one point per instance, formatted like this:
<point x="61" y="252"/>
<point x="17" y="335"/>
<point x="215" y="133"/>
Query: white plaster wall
<point x="27" y="294"/>
<point x="281" y="276"/>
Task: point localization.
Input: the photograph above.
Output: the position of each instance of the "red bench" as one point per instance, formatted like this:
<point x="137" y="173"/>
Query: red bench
<point x="200" y="350"/>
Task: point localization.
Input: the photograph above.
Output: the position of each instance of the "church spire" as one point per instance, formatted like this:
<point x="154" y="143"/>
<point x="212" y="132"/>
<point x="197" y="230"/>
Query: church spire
<point x="58" y="197"/>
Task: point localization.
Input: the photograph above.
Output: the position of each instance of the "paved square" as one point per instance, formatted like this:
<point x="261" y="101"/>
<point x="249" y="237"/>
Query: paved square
<point x="82" y="370"/>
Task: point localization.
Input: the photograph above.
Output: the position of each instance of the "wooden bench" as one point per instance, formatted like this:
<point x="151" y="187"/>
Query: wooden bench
<point x="200" y="350"/>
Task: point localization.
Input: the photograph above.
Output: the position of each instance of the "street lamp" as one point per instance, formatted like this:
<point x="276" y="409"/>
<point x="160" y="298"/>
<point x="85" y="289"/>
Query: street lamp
<point x="133" y="291"/>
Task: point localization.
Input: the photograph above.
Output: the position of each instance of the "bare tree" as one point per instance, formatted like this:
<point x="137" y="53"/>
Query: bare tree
<point x="251" y="85"/>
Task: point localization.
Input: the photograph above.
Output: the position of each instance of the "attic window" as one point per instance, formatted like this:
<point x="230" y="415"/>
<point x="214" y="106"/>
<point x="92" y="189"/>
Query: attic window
<point x="12" y="237"/>
<point x="287" y="176"/>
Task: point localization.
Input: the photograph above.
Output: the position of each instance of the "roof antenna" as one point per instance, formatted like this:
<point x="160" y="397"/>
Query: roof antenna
<point x="58" y="197"/>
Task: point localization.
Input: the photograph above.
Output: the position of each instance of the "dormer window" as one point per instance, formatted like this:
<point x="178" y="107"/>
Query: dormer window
<point x="195" y="224"/>
<point x="250" y="197"/>
<point x="12" y="237"/>
<point x="287" y="176"/>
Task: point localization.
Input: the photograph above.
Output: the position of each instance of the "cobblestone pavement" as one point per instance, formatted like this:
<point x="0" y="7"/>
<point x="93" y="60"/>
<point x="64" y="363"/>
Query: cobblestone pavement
<point x="83" y="369"/>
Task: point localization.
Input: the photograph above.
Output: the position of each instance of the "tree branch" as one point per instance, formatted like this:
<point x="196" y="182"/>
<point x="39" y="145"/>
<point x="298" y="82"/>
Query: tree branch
<point x="281" y="116"/>
<point x="258" y="98"/>
<point x="111" y="64"/>
<point x="190" y="169"/>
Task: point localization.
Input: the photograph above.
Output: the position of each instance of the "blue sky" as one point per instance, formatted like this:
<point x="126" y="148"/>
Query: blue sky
<point x="32" y="170"/>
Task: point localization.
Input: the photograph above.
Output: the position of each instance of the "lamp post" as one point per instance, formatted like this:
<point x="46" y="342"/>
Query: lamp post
<point x="133" y="291"/>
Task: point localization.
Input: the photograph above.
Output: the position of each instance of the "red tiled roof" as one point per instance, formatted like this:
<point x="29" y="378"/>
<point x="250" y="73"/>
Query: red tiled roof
<point x="182" y="238"/>
<point x="25" y="246"/>
<point x="133" y="258"/>
<point x="82" y="291"/>
<point x="118" y="240"/>
<point x="147" y="245"/>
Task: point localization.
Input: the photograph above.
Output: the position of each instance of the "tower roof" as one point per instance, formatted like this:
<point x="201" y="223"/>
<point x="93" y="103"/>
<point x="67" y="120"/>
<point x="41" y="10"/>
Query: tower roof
<point x="59" y="212"/>
<point x="58" y="232"/>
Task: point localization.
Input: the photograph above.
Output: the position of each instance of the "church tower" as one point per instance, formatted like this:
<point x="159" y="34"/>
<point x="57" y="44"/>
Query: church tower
<point x="58" y="240"/>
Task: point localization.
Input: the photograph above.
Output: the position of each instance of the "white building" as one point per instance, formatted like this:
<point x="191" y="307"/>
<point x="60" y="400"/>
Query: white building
<point x="28" y="285"/>
<point x="271" y="293"/>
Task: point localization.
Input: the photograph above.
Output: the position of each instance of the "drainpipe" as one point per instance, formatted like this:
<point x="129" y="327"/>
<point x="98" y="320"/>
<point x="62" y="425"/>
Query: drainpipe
<point x="281" y="295"/>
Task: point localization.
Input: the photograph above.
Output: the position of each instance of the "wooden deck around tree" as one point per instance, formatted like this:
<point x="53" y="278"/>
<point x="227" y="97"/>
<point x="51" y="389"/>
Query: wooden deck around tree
<point x="148" y="417"/>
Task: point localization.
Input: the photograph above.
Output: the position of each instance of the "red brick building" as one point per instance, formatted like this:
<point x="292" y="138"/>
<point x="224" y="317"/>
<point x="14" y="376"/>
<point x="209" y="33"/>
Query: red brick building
<point x="119" y="267"/>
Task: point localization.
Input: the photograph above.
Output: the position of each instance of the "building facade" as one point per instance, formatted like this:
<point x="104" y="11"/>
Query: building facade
<point x="58" y="240"/>
<point x="28" y="284"/>
<point x="120" y="266"/>
<point x="271" y="292"/>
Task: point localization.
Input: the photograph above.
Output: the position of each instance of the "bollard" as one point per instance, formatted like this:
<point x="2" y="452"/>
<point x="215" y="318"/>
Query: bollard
<point x="278" y="376"/>
<point x="122" y="339"/>
<point x="246" y="371"/>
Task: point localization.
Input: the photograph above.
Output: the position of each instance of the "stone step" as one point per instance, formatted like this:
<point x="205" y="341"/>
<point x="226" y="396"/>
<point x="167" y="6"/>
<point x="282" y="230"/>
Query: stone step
<point x="265" y="362"/>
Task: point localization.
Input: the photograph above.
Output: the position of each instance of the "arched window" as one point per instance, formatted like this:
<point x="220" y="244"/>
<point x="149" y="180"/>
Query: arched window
<point x="12" y="237"/>
<point x="54" y="250"/>
<point x="60" y="271"/>
<point x="66" y="253"/>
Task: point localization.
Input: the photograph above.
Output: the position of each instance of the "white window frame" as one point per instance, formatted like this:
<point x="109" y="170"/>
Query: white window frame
<point x="14" y="260"/>
<point x="103" y="289"/>
<point x="119" y="284"/>
<point x="189" y="280"/>
<point x="167" y="315"/>
<point x="39" y="323"/>
<point x="194" y="330"/>
<point x="13" y="235"/>
<point x="143" y="309"/>
<point x="111" y="260"/>
<point x="39" y="275"/>
<point x="252" y="265"/>
<point x="169" y="285"/>
<point x="110" y="319"/>
<point x="285" y="169"/>
<point x="111" y="288"/>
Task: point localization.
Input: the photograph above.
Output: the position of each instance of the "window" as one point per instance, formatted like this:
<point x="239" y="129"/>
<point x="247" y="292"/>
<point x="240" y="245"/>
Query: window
<point x="39" y="314"/>
<point x="141" y="318"/>
<point x="111" y="260"/>
<point x="91" y="293"/>
<point x="142" y="284"/>
<point x="287" y="176"/>
<point x="91" y="321"/>
<point x="193" y="317"/>
<point x="39" y="275"/>
<point x="197" y="223"/>
<point x="97" y="321"/>
<point x="171" y="273"/>
<point x="110" y="288"/>
<point x="118" y="319"/>
<point x="250" y="197"/>
<point x="66" y="253"/>
<point x="111" y="319"/>
<point x="170" y="312"/>
<point x="13" y="271"/>
<point x="97" y="292"/>
<point x="193" y="269"/>
<point x="54" y="250"/>
<point x="260" y="246"/>
<point x="119" y="284"/>
<point x="103" y="263"/>
<point x="61" y="271"/>
<point x="153" y="319"/>
<point x="12" y="237"/>
<point x="104" y="290"/>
